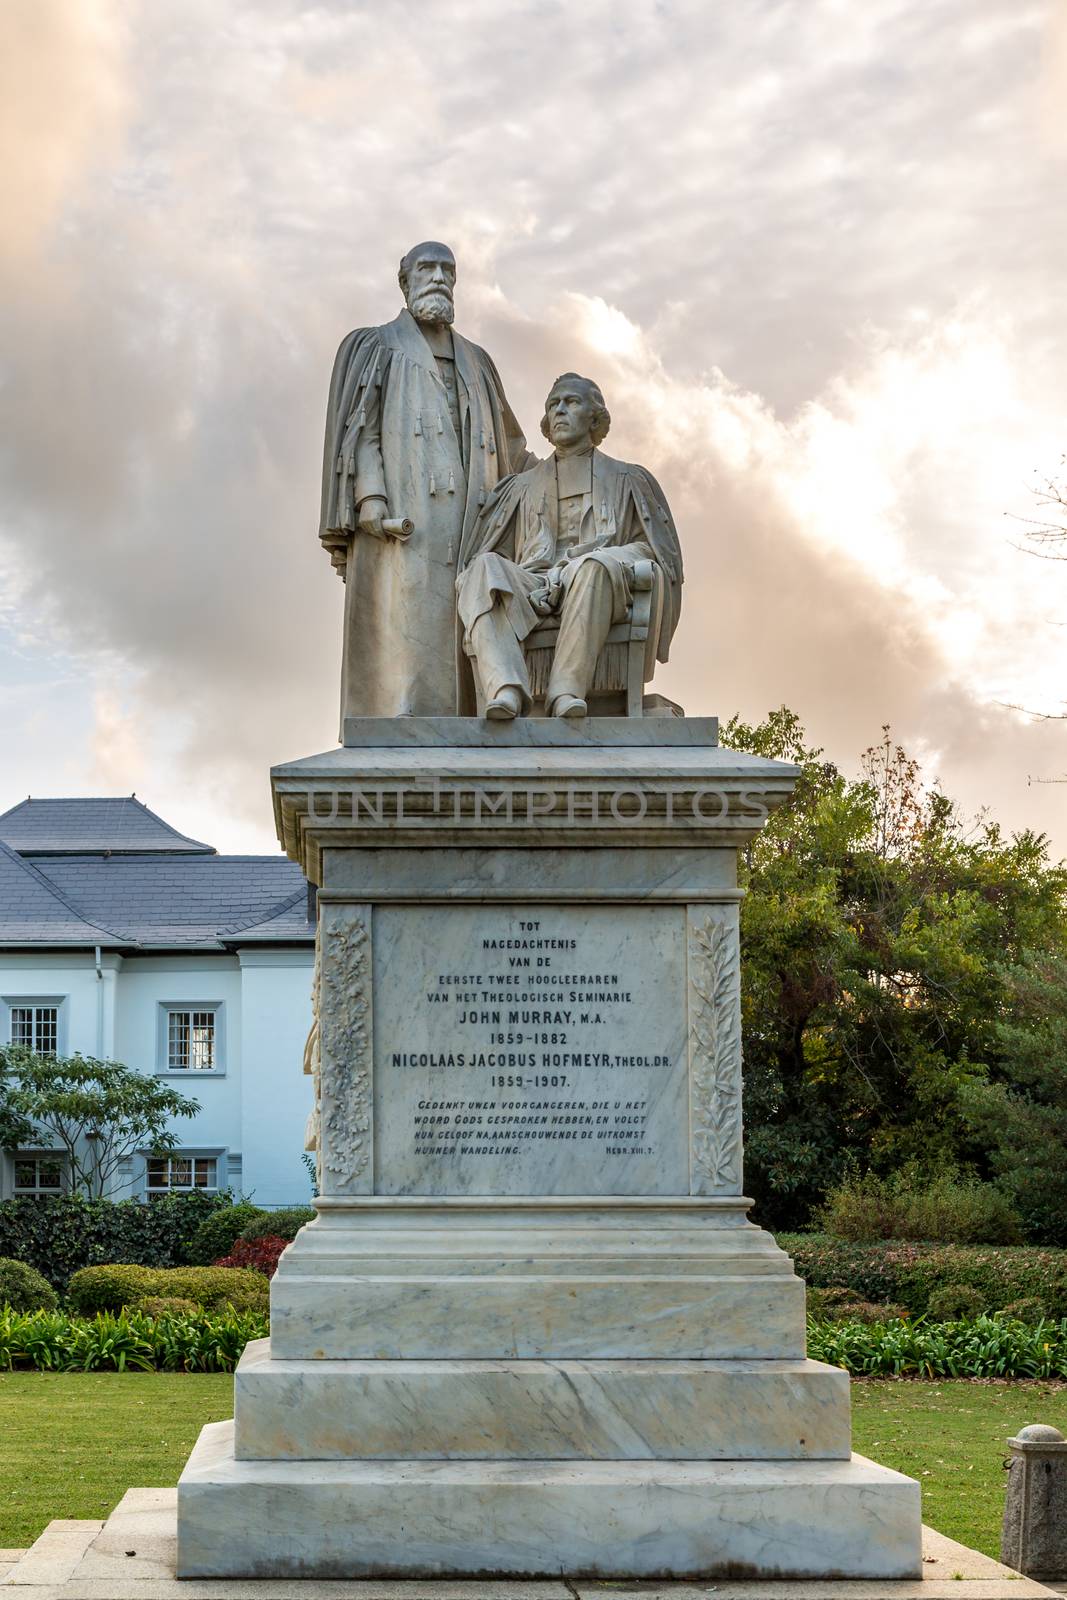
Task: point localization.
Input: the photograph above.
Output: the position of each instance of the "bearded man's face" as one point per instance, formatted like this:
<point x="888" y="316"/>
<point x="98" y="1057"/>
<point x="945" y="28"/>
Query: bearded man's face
<point x="431" y="282"/>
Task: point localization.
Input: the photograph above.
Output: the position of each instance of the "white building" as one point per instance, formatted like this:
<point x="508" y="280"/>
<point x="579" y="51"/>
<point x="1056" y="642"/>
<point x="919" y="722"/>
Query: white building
<point x="122" y="939"/>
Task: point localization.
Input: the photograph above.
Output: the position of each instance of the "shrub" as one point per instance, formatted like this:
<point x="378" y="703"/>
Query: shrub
<point x="1028" y="1310"/>
<point x="285" y="1223"/>
<point x="167" y="1305"/>
<point x="954" y="1301"/>
<point x="23" y="1289"/>
<point x="844" y="1305"/>
<point x="200" y="1341"/>
<point x="948" y="1210"/>
<point x="260" y="1255"/>
<point x="909" y="1273"/>
<point x="63" y="1233"/>
<point x="218" y="1233"/>
<point x="118" y="1286"/>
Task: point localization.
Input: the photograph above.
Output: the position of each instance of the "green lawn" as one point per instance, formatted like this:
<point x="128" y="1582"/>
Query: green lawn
<point x="73" y="1443"/>
<point x="951" y="1436"/>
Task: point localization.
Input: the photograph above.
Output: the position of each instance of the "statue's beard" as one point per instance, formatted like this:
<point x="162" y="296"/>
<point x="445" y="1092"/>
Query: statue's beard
<point x="432" y="305"/>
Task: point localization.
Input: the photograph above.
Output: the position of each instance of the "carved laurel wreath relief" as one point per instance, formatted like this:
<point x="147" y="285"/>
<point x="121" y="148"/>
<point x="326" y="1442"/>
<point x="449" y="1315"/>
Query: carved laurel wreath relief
<point x="715" y="1055"/>
<point x="345" y="1031"/>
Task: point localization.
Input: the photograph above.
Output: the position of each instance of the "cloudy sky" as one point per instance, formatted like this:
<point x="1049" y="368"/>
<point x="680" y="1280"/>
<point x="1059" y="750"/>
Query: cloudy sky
<point x="814" y="251"/>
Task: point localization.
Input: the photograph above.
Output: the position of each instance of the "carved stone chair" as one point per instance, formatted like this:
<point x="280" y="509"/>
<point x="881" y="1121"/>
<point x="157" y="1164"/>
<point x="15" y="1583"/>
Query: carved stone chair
<point x="626" y="662"/>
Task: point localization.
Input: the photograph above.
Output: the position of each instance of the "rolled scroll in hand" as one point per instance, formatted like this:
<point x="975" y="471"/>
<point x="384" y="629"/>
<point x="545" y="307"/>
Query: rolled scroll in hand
<point x="398" y="527"/>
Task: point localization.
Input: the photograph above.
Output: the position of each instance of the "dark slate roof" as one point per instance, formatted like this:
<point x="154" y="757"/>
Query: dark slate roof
<point x="125" y="824"/>
<point x="289" y="924"/>
<point x="34" y="912"/>
<point x="166" y="902"/>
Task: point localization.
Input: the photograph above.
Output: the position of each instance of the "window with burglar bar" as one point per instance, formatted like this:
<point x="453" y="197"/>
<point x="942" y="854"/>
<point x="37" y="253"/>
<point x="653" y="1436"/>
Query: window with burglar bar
<point x="39" y="1174"/>
<point x="35" y="1026"/>
<point x="174" y="1174"/>
<point x="191" y="1040"/>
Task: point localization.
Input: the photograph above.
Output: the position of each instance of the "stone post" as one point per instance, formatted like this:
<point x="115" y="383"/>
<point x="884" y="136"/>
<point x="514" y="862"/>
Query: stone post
<point x="1034" y="1536"/>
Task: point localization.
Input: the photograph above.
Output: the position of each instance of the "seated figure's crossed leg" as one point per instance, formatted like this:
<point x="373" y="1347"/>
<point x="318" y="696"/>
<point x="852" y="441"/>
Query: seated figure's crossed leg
<point x="501" y="664"/>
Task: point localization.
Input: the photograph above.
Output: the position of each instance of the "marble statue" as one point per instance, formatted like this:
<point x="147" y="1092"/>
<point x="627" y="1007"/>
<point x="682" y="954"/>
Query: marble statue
<point x="563" y="537"/>
<point x="418" y="432"/>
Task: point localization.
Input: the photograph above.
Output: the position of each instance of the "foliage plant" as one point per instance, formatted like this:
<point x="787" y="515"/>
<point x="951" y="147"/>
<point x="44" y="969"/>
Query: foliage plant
<point x="23" y="1289"/>
<point x="285" y="1223"/>
<point x="909" y="1273"/>
<point x="121" y="1286"/>
<point x="982" y="1347"/>
<point x="128" y="1341"/>
<point x="59" y="1234"/>
<point x="99" y="1113"/>
<point x="260" y="1255"/>
<point x="218" y="1233"/>
<point x="879" y="929"/>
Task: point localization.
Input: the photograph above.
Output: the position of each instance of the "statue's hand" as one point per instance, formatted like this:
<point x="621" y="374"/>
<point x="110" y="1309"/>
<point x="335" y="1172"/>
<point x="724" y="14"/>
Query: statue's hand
<point x="372" y="513"/>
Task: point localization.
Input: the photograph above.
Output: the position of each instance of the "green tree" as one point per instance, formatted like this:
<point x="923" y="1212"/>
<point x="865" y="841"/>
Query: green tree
<point x="875" y="929"/>
<point x="15" y="1129"/>
<point x="1020" y="1115"/>
<point x="98" y="1113"/>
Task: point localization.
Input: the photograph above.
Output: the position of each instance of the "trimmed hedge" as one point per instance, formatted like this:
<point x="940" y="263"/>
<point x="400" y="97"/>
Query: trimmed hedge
<point x="23" y="1289"/>
<point x="910" y="1273"/>
<point x="60" y="1234"/>
<point x="285" y="1223"/>
<point x="50" y="1341"/>
<point x="118" y="1286"/>
<point x="217" y="1234"/>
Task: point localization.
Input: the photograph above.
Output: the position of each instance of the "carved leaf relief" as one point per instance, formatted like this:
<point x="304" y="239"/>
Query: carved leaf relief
<point x="715" y="1056"/>
<point x="345" y="1035"/>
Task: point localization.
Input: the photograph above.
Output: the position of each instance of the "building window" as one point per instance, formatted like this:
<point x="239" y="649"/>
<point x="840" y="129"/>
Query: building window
<point x="39" y="1174"/>
<point x="191" y="1038"/>
<point x="35" y="1025"/>
<point x="179" y="1174"/>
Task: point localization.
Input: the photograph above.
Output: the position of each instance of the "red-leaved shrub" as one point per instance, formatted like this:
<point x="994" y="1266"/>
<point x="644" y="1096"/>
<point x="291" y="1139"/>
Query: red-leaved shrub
<point x="262" y="1255"/>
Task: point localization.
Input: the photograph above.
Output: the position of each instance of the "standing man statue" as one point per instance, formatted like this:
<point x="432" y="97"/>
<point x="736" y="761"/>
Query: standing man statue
<point x="563" y="538"/>
<point x="418" y="432"/>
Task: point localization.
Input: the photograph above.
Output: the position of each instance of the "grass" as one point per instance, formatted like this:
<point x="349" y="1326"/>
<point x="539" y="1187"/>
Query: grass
<point x="952" y="1435"/>
<point x="73" y="1443"/>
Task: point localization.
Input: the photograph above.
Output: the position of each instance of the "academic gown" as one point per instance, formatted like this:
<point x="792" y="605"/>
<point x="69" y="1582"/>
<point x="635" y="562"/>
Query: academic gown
<point x="389" y="432"/>
<point x="628" y="518"/>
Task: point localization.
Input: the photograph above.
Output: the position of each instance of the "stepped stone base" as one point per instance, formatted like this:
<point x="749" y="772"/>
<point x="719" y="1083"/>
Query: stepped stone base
<point x="408" y="1279"/>
<point x="606" y="1519"/>
<point x="538" y="1410"/>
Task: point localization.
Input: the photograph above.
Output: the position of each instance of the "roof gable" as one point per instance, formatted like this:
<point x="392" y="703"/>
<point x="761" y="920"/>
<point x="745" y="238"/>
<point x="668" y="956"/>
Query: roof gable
<point x="122" y="825"/>
<point x="192" y="902"/>
<point x="34" y="911"/>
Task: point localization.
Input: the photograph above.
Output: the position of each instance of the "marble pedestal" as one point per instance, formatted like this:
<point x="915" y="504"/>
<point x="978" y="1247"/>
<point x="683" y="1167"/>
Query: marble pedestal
<point x="531" y="1329"/>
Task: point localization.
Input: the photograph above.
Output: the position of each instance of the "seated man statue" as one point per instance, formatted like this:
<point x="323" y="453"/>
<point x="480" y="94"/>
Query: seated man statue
<point x="563" y="538"/>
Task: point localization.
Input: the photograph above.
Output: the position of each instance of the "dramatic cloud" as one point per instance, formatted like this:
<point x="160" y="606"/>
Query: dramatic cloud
<point x="812" y="252"/>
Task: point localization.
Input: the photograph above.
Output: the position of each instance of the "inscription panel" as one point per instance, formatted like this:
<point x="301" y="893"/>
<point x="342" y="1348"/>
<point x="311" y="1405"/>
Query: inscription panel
<point x="530" y="1050"/>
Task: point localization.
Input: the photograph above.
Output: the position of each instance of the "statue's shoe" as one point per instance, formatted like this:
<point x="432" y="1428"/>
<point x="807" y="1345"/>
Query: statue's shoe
<point x="506" y="705"/>
<point x="569" y="705"/>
